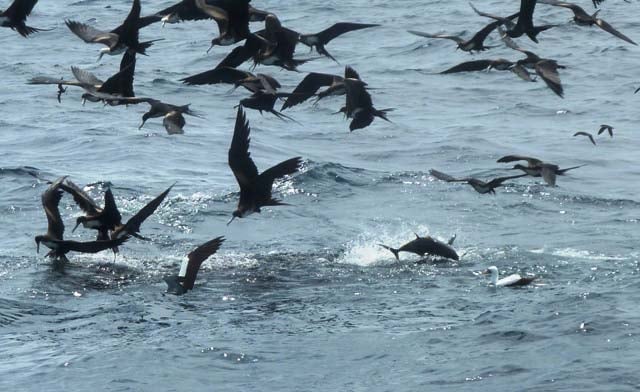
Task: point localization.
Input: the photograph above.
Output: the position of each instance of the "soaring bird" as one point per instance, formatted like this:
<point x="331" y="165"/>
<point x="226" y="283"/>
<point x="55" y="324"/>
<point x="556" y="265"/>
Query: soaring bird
<point x="524" y="24"/>
<point x="498" y="64"/>
<point x="15" y="17"/>
<point x="582" y="18"/>
<point x="513" y="280"/>
<point x="607" y="128"/>
<point x="184" y="281"/>
<point x="359" y="106"/>
<point x="229" y="75"/>
<point x="587" y="134"/>
<point x="311" y="83"/>
<point x="255" y="189"/>
<point x="319" y="40"/>
<point x="480" y="186"/>
<point x="119" y="39"/>
<point x="537" y="168"/>
<point x="475" y="43"/>
<point x="187" y="10"/>
<point x="54" y="240"/>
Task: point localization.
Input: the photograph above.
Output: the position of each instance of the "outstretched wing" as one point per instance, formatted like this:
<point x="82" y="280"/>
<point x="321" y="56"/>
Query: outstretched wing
<point x="609" y="29"/>
<point x="445" y="177"/>
<point x="341" y="28"/>
<point x="50" y="201"/>
<point x="134" y="223"/>
<point x="445" y="36"/>
<point x="19" y="10"/>
<point x="513" y="158"/>
<point x="92" y="35"/>
<point x="197" y="257"/>
<point x="307" y="88"/>
<point x="240" y="162"/>
<point x="82" y="198"/>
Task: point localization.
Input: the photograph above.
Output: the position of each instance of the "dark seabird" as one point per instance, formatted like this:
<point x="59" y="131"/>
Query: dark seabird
<point x="587" y="134"/>
<point x="312" y="83"/>
<point x="173" y="119"/>
<point x="475" y="43"/>
<point x="547" y="69"/>
<point x="232" y="18"/>
<point x="53" y="239"/>
<point x="103" y="220"/>
<point x="187" y="10"/>
<point x="426" y="245"/>
<point x="514" y="280"/>
<point x="479" y="185"/>
<point x="120" y="84"/>
<point x="605" y="127"/>
<point x="524" y="24"/>
<point x="582" y="18"/>
<point x="229" y="75"/>
<point x="255" y="189"/>
<point x="132" y="227"/>
<point x="184" y="281"/>
<point x="498" y="64"/>
<point x="15" y="17"/>
<point x="119" y="39"/>
<point x="264" y="101"/>
<point x="319" y="40"/>
<point x="359" y="106"/>
<point x="536" y="168"/>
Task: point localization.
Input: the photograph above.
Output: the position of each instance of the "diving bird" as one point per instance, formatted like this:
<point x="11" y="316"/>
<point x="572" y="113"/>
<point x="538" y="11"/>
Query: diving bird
<point x="15" y="17"/>
<point x="311" y="83"/>
<point x="359" y="106"/>
<point x="479" y="185"/>
<point x="103" y="219"/>
<point x="510" y="281"/>
<point x="319" y="40"/>
<point x="255" y="189"/>
<point x="54" y="240"/>
<point x="132" y="227"/>
<point x="119" y="39"/>
<point x="475" y="43"/>
<point x="118" y="85"/>
<point x="425" y="245"/>
<point x="537" y="168"/>
<point x="184" y="281"/>
<point x="524" y="24"/>
<point x="587" y="134"/>
<point x="607" y="128"/>
<point x="582" y="18"/>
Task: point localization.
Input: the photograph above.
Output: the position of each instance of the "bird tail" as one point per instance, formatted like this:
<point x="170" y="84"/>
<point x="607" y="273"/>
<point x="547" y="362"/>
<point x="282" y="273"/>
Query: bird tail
<point x="393" y="250"/>
<point x="283" y="117"/>
<point x="383" y="113"/>
<point x="143" y="46"/>
<point x="25" y="30"/>
<point x="537" y="30"/>
<point x="562" y="171"/>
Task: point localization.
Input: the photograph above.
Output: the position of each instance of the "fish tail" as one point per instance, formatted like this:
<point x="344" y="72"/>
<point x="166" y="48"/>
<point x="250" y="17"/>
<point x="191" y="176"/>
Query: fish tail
<point x="393" y="250"/>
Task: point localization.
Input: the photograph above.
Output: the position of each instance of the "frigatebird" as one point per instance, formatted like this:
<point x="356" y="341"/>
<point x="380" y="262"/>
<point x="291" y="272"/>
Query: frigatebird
<point x="186" y="278"/>
<point x="537" y="168"/>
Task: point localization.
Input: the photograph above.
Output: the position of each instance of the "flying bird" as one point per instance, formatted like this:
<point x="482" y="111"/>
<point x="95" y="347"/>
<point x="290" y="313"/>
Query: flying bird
<point x="607" y="128"/>
<point x="255" y="189"/>
<point x="119" y="39"/>
<point x="524" y="24"/>
<point x="232" y="17"/>
<point x="15" y="17"/>
<point x="587" y="134"/>
<point x="229" y="75"/>
<point x="582" y="18"/>
<point x="359" y="106"/>
<point x="319" y="40"/>
<point x="186" y="278"/>
<point x="537" y="168"/>
<point x="311" y="83"/>
<point x="513" y="280"/>
<point x="479" y="185"/>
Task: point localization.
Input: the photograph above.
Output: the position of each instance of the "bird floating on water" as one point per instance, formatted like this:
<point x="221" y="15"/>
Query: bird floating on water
<point x="514" y="280"/>
<point x="184" y="281"/>
<point x="426" y="246"/>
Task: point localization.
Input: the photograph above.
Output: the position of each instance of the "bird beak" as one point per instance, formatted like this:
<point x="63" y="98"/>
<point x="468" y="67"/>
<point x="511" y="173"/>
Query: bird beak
<point x="231" y="220"/>
<point x="210" y="47"/>
<point x="100" y="57"/>
<point x="141" y="125"/>
<point x="84" y="100"/>
<point x="74" y="229"/>
<point x="37" y="246"/>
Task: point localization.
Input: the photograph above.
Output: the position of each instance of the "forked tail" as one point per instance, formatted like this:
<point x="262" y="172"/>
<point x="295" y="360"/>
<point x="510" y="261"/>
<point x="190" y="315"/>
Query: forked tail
<point x="393" y="250"/>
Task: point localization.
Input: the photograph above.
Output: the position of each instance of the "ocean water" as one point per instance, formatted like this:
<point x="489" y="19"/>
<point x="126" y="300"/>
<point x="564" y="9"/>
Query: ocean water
<point x="302" y="297"/>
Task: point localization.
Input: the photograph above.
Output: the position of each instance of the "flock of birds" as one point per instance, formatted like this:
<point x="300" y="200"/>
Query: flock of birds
<point x="272" y="46"/>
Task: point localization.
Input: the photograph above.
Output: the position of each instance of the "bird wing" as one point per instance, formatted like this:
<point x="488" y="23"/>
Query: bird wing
<point x="174" y="122"/>
<point x="522" y="72"/>
<point x="427" y="35"/>
<point x="548" y="173"/>
<point x="92" y="35"/>
<point x="50" y="80"/>
<point x="220" y="15"/>
<point x="50" y="201"/>
<point x="496" y="182"/>
<point x="87" y="80"/>
<point x="217" y="75"/>
<point x="341" y="28"/>
<point x="509" y="280"/>
<point x="185" y="11"/>
<point x="481" y="35"/>
<point x="92" y="246"/>
<point x="357" y="96"/>
<point x="491" y="16"/>
<point x="587" y="135"/>
<point x="350" y="73"/>
<point x="445" y="177"/>
<point x="288" y="167"/>
<point x="548" y="71"/>
<point x="469" y="66"/>
<point x="240" y="54"/>
<point x="307" y="88"/>
<point x="240" y="162"/>
<point x="128" y="30"/>
<point x="197" y="257"/>
<point x="513" y="158"/>
<point x="609" y="29"/>
<point x="605" y="127"/>
<point x="82" y="198"/>
<point x="122" y="82"/>
<point x="577" y="10"/>
<point x="19" y="10"/>
<point x="110" y="209"/>
<point x="134" y="223"/>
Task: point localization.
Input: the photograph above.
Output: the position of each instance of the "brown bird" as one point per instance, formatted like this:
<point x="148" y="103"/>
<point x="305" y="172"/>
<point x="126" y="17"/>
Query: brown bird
<point x="587" y="134"/>
<point x="184" y="281"/>
<point x="537" y="168"/>
<point x="15" y="17"/>
<point x="524" y="24"/>
<point x="479" y="185"/>
<point x="311" y="83"/>
<point x="319" y="40"/>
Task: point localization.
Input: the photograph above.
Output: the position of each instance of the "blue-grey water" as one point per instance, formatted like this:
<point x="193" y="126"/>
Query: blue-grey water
<point x="302" y="297"/>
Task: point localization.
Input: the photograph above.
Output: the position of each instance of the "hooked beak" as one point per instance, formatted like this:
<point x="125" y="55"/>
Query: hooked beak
<point x="74" y="229"/>
<point x="210" y="47"/>
<point x="37" y="246"/>
<point x="231" y="220"/>
<point x="141" y="125"/>
<point x="84" y="100"/>
<point x="100" y="57"/>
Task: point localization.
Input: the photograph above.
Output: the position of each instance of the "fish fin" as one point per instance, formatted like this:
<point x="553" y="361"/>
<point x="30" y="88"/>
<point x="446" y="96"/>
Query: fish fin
<point x="393" y="250"/>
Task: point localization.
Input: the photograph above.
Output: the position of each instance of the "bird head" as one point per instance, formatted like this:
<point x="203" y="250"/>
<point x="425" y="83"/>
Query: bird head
<point x="234" y="215"/>
<point x="214" y="42"/>
<point x="103" y="51"/>
<point x="145" y="117"/>
<point x="80" y="220"/>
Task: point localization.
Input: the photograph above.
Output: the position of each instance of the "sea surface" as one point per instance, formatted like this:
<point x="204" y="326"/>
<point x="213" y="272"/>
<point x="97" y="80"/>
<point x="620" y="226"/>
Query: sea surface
<point x="302" y="298"/>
